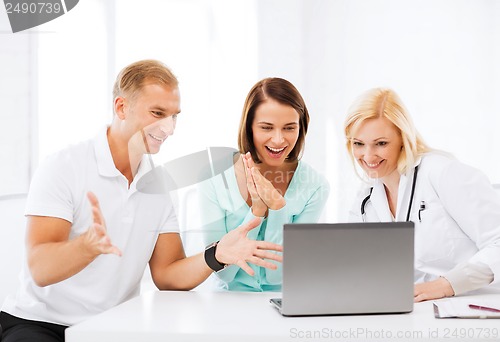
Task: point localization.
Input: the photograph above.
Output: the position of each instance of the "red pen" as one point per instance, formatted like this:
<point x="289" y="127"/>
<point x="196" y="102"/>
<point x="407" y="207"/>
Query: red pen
<point x="484" y="308"/>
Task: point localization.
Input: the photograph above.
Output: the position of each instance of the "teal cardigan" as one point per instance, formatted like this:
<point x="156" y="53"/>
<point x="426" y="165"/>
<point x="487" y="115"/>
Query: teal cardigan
<point x="223" y="209"/>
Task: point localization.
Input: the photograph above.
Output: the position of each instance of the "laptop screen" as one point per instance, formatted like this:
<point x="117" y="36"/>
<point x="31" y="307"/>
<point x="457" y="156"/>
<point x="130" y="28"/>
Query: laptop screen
<point x="348" y="268"/>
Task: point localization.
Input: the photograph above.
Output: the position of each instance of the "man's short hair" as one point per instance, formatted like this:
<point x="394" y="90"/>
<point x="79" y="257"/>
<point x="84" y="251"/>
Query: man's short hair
<point x="133" y="77"/>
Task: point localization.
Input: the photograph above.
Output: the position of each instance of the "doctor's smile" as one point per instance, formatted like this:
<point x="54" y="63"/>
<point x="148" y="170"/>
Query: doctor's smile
<point x="370" y="166"/>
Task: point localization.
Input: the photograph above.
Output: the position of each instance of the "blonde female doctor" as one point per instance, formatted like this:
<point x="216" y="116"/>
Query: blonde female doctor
<point x="455" y="209"/>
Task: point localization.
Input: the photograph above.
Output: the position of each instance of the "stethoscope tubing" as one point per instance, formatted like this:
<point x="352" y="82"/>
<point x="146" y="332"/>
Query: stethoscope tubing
<point x="367" y="198"/>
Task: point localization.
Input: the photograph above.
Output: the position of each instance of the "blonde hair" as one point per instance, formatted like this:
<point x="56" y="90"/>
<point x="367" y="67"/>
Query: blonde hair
<point x="385" y="103"/>
<point x="133" y="77"/>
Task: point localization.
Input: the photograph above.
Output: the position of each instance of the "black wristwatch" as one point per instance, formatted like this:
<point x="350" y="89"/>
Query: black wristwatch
<point x="210" y="259"/>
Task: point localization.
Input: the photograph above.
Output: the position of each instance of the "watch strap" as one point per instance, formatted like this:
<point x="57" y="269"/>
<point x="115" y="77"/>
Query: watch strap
<point x="210" y="259"/>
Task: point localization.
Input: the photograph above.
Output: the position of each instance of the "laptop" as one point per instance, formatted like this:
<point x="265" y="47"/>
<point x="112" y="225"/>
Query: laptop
<point x="347" y="268"/>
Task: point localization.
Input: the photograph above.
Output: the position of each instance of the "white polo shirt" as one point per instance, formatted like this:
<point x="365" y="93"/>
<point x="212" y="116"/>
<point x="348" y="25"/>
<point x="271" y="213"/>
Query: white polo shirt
<point x="134" y="220"/>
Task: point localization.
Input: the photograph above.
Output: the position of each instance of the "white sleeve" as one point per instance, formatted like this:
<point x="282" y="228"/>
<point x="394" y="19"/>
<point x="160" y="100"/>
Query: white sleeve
<point x="471" y="201"/>
<point x="50" y="192"/>
<point x="169" y="224"/>
<point x="467" y="276"/>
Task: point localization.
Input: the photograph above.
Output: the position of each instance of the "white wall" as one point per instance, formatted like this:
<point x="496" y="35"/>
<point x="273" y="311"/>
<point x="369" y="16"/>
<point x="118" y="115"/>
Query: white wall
<point x="18" y="101"/>
<point x="73" y="80"/>
<point x="11" y="243"/>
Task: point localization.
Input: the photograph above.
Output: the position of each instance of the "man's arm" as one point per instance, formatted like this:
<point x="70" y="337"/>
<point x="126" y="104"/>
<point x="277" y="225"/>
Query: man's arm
<point x="53" y="258"/>
<point x="171" y="270"/>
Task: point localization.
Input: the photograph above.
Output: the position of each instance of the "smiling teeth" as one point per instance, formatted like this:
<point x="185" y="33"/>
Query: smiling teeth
<point x="276" y="150"/>
<point x="155" y="137"/>
<point x="372" y="165"/>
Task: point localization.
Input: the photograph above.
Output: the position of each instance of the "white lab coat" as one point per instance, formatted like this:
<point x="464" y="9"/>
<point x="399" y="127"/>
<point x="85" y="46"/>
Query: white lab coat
<point x="459" y="225"/>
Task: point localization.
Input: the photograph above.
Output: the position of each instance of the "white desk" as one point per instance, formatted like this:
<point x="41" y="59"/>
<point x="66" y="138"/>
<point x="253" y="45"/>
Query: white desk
<point x="241" y="317"/>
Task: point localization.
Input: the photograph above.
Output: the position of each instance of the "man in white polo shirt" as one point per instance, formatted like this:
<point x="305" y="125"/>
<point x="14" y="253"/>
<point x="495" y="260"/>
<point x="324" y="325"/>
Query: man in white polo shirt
<point x="91" y="233"/>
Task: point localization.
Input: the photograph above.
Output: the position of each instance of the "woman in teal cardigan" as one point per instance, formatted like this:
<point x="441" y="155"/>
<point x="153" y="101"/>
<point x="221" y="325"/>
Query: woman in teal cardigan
<point x="267" y="180"/>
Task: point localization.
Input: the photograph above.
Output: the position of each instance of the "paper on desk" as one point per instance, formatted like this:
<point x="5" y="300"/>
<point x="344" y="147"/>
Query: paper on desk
<point x="459" y="308"/>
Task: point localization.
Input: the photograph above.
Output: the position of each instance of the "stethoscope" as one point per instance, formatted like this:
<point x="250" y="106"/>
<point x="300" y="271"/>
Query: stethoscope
<point x="422" y="204"/>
